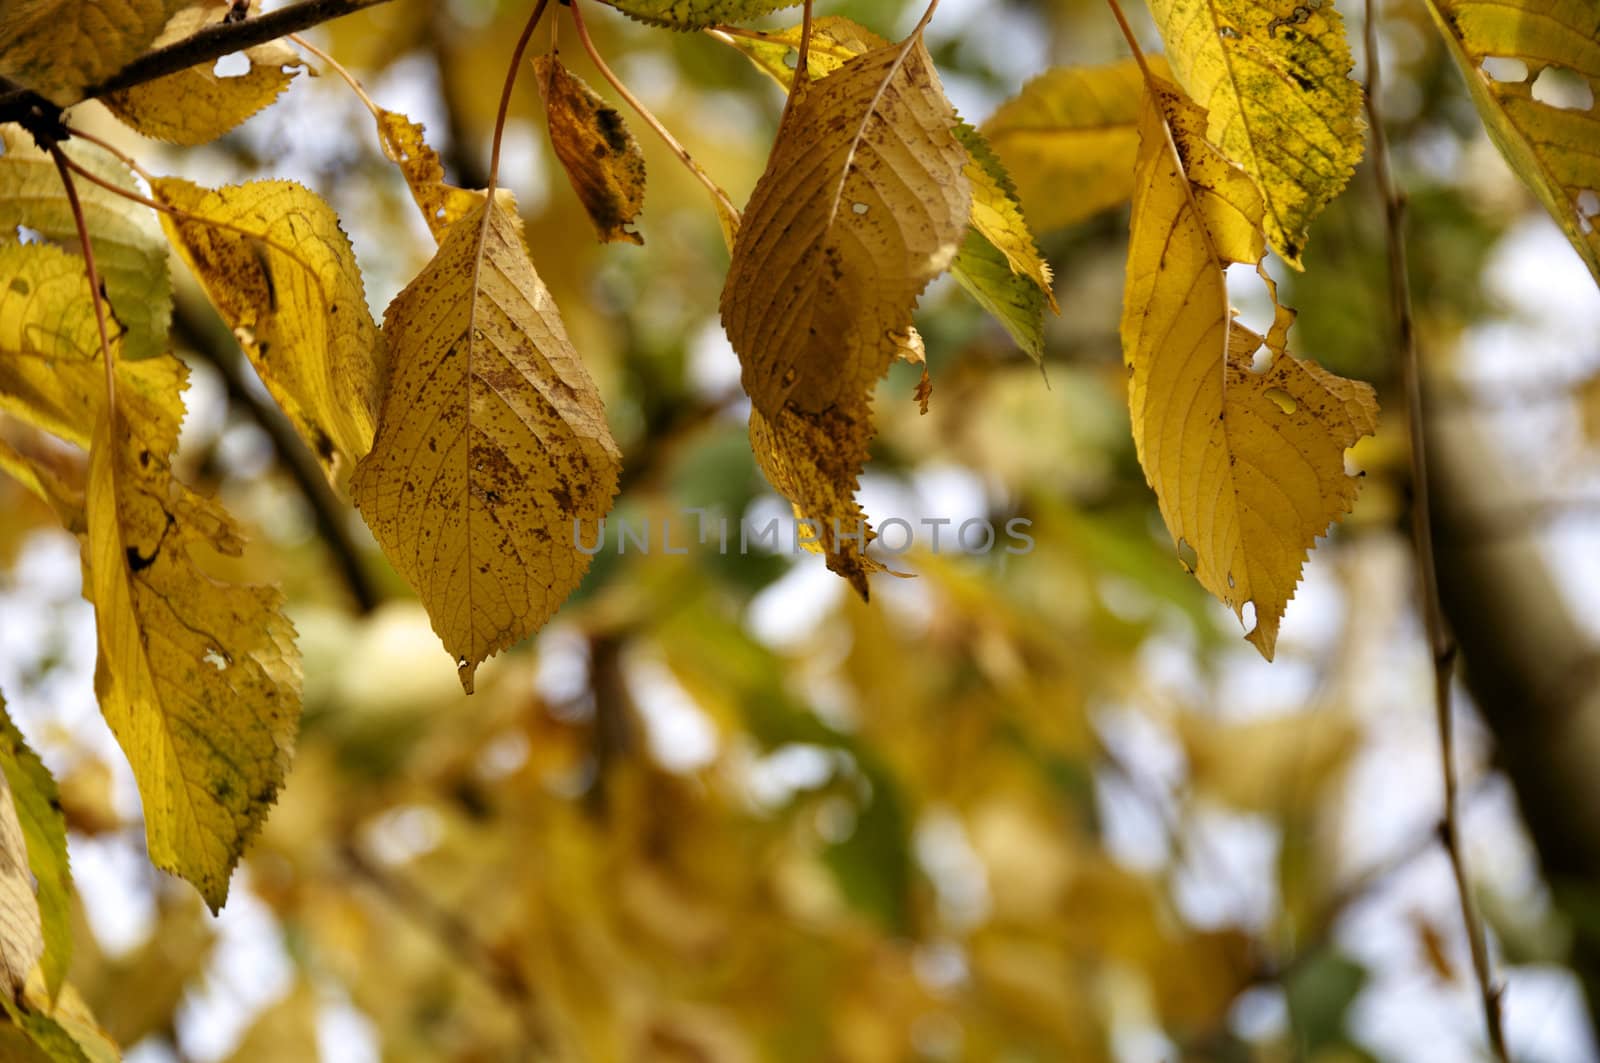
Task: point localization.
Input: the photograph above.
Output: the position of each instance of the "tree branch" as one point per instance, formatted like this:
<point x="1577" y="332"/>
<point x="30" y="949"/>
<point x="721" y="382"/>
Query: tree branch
<point x="1440" y="639"/>
<point x="206" y="46"/>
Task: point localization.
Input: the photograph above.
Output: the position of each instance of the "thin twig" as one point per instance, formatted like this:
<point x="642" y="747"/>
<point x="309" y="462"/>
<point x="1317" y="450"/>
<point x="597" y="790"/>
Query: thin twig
<point x="204" y="46"/>
<point x="338" y="68"/>
<point x="1441" y="641"/>
<point x="654" y="123"/>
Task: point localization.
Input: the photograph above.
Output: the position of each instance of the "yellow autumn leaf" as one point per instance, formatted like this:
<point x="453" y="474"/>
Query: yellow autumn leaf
<point x="1069" y="140"/>
<point x="491" y="444"/>
<point x="1246" y="463"/>
<point x="697" y="14"/>
<point x="1273" y="78"/>
<point x="198" y="105"/>
<point x="58" y="48"/>
<point x="51" y="375"/>
<point x="835" y="40"/>
<point x="21" y="931"/>
<point x="58" y="475"/>
<point x="198" y="679"/>
<point x="863" y="202"/>
<point x="62" y="1030"/>
<point x="998" y="264"/>
<point x="442" y="204"/>
<point x="276" y="264"/>
<point x="592" y="142"/>
<point x="130" y="250"/>
<point x="1550" y="145"/>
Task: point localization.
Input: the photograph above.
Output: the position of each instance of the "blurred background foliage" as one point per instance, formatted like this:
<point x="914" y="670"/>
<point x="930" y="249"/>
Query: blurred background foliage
<point x="1020" y="808"/>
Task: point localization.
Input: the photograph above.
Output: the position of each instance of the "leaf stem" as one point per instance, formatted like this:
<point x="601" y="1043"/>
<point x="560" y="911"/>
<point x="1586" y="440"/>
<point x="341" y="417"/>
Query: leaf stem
<point x="121" y="156"/>
<point x="654" y="123"/>
<point x="65" y="167"/>
<point x="802" y="63"/>
<point x="1133" y="42"/>
<point x="1440" y="639"/>
<point x="338" y="68"/>
<point x="505" y="100"/>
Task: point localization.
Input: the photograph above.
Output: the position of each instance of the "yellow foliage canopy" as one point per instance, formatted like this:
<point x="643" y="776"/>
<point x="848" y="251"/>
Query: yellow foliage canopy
<point x="21" y="931"/>
<point x="129" y="248"/>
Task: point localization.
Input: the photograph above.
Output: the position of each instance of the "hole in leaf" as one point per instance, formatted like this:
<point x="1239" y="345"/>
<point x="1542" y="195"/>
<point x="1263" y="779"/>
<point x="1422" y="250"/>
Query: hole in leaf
<point x="1560" y="87"/>
<point x="216" y="659"/>
<point x="232" y="65"/>
<point x="1247" y="614"/>
<point x="859" y="208"/>
<point x="1588" y="207"/>
<point x="1283" y="400"/>
<point x="1230" y="581"/>
<point x="1188" y="557"/>
<point x="1262" y="360"/>
<point x="791" y="59"/>
<point x="1503" y="68"/>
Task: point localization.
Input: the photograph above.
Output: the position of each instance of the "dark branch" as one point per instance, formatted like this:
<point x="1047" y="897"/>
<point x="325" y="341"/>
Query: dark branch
<point x="206" y="46"/>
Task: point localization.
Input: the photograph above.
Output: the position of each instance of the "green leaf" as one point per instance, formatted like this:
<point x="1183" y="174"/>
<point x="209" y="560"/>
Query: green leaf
<point x="45" y="829"/>
<point x="1013" y="300"/>
<point x="999" y="264"/>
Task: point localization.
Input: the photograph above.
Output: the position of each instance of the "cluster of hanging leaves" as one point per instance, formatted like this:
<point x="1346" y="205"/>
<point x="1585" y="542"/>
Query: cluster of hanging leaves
<point x="469" y="434"/>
